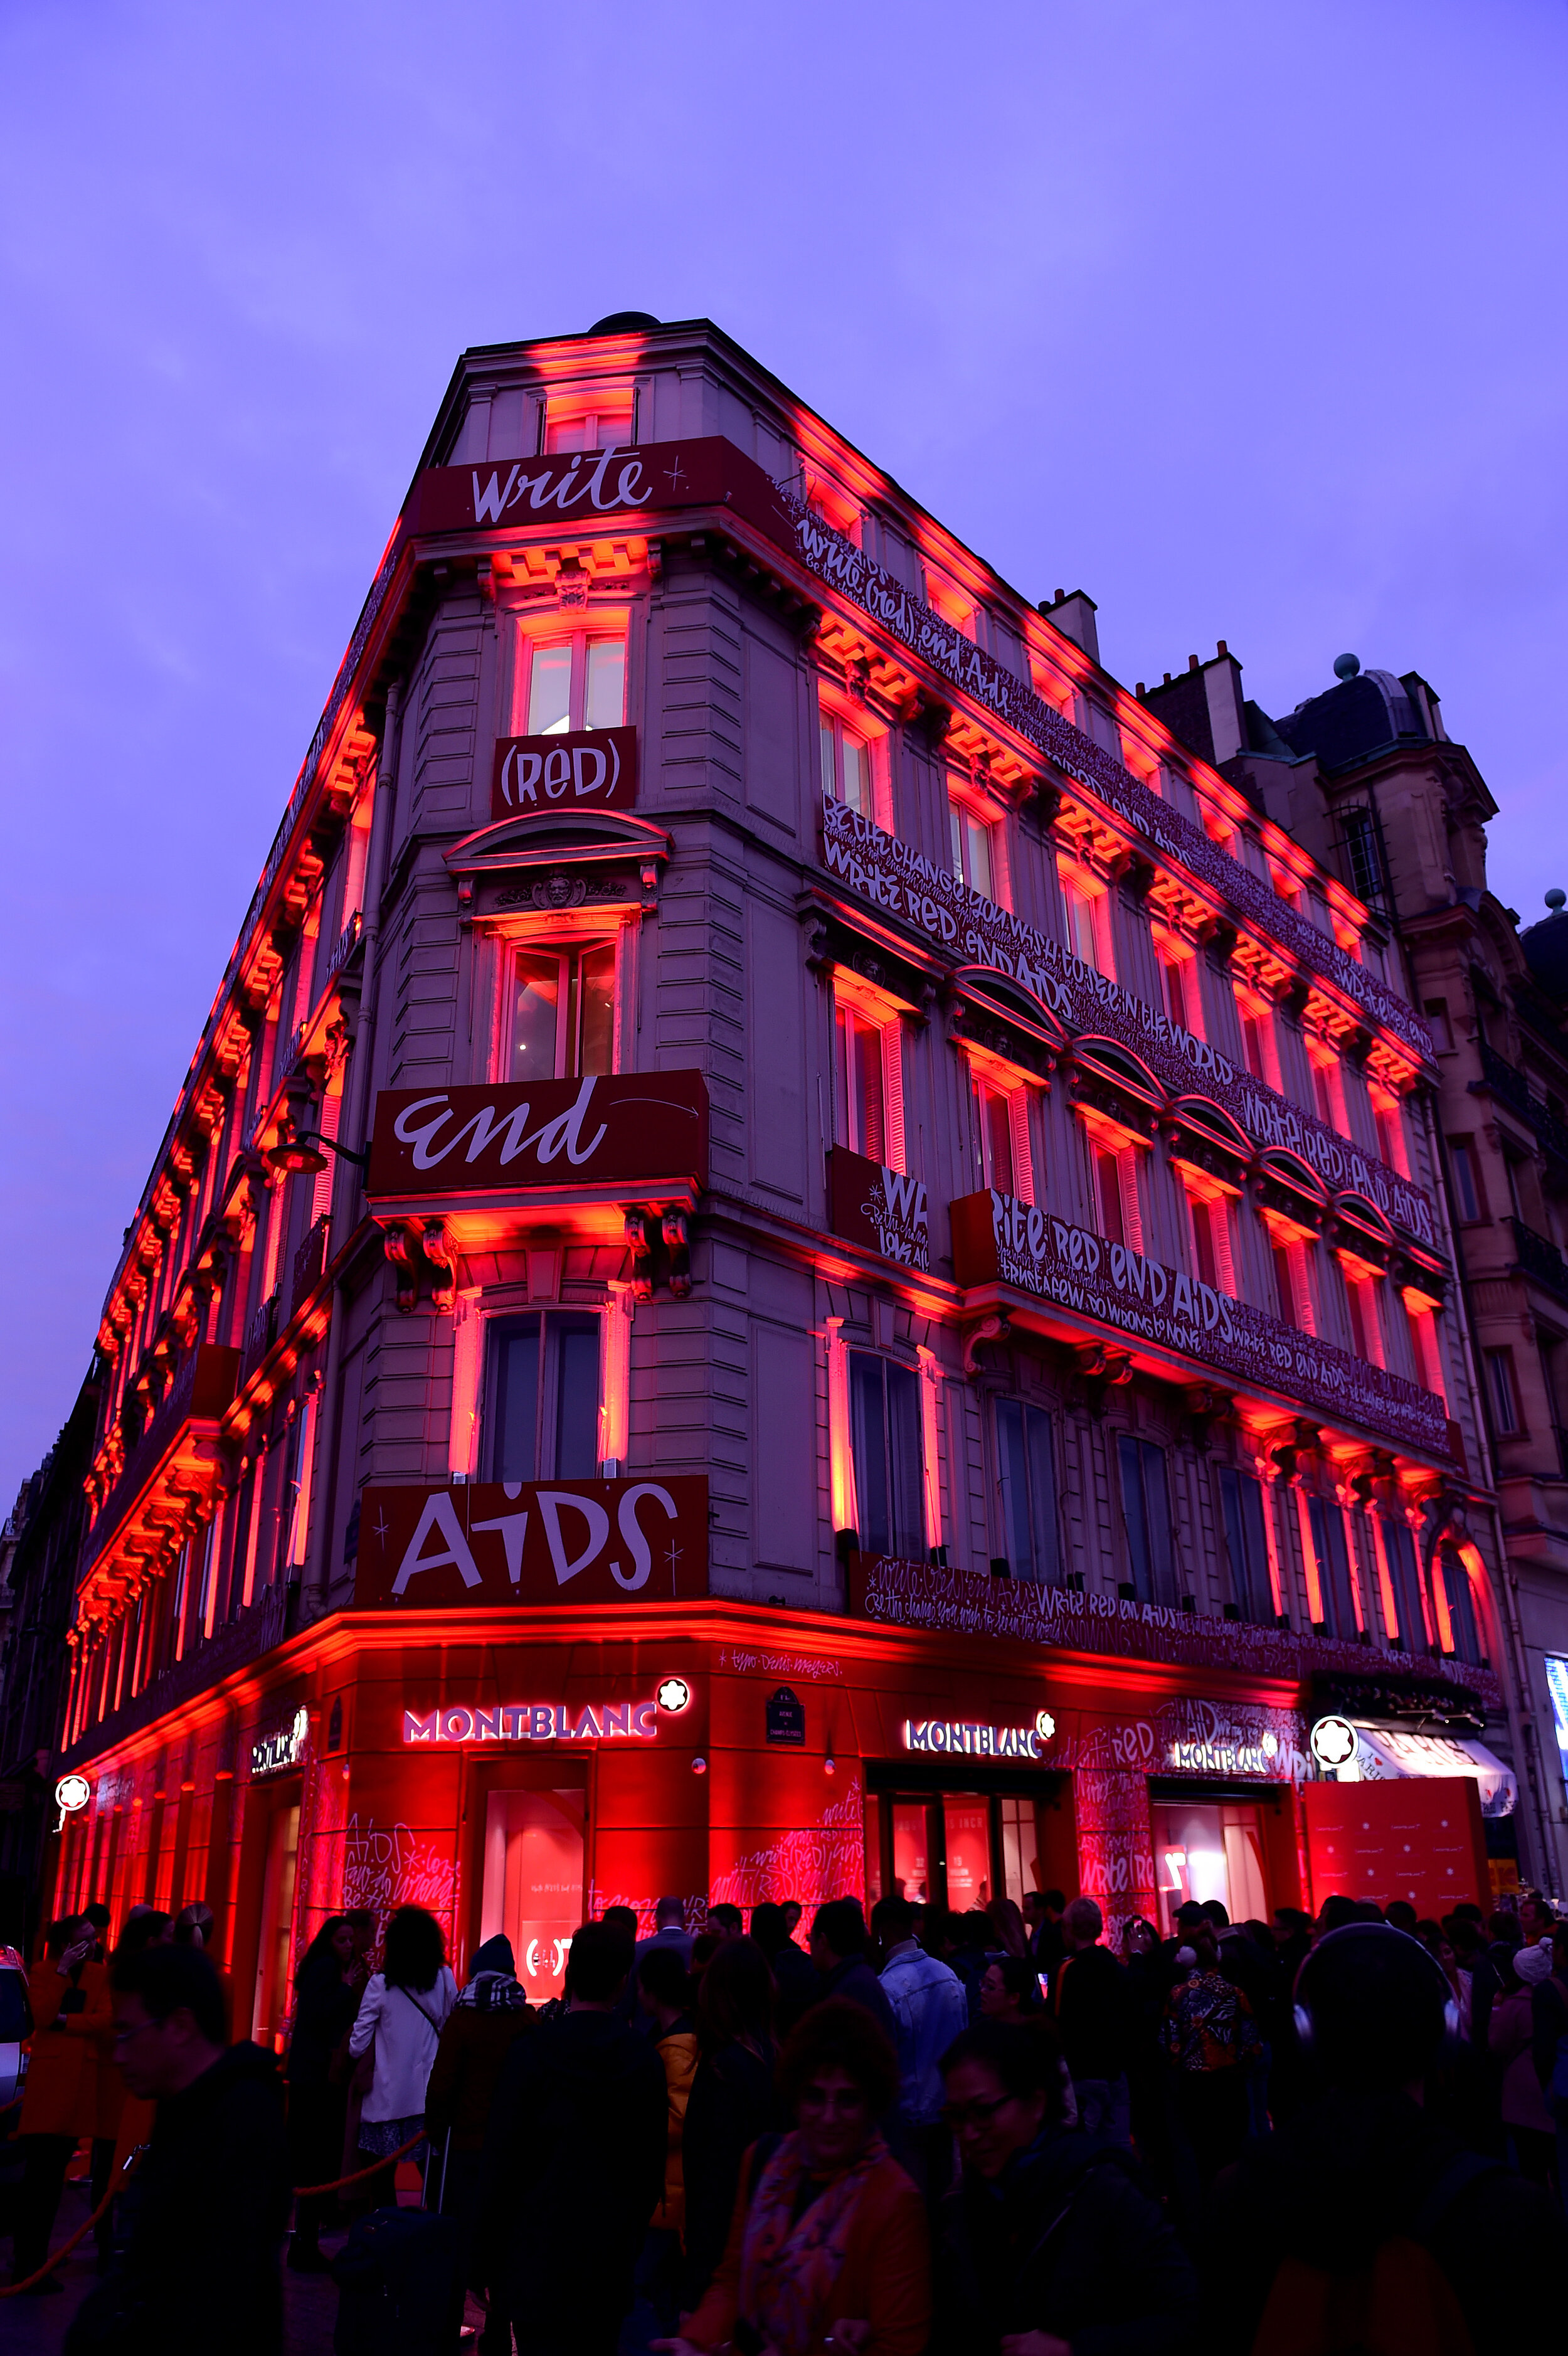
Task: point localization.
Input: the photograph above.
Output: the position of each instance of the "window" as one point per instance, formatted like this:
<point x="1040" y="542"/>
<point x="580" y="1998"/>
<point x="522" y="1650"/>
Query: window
<point x="1180" y="989"/>
<point x="1336" y="1595"/>
<point x="575" y="682"/>
<point x="1242" y="1509"/>
<point x="1436" y="1012"/>
<point x="563" y="1013"/>
<point x="1365" y="865"/>
<point x="1503" y="1393"/>
<point x="1366" y="1333"/>
<point x="1086" y="929"/>
<point x="1108" y="1188"/>
<point x="860" y="1092"/>
<point x="1145" y="1510"/>
<point x="1390" y="1132"/>
<point x="884" y="1418"/>
<point x="1254" y="1053"/>
<point x="541" y="1397"/>
<point x="1404" y="1580"/>
<point x="1210" y="1222"/>
<point x="1511" y="1170"/>
<point x="1026" y="1469"/>
<point x="1323" y="1093"/>
<point x="1284" y="1283"/>
<point x="1462" y="1628"/>
<point x="1467" y="1192"/>
<point x="993" y="1137"/>
<point x="971" y="847"/>
<point x="604" y="429"/>
<point x="845" y="766"/>
<point x="1421" y="1326"/>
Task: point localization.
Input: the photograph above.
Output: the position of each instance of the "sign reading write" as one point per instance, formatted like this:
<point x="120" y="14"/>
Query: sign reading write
<point x="532" y="1542"/>
<point x="592" y="769"/>
<point x="639" y="1128"/>
<point x="651" y="478"/>
<point x="997" y="1239"/>
<point x="883" y="1209"/>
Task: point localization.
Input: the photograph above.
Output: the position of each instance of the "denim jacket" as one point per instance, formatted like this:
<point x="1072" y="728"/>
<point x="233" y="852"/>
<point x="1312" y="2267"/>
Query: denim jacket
<point x="929" y="2008"/>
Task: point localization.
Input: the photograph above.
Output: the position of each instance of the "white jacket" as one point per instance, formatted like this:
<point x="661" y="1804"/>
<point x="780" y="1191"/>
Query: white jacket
<point x="405" y="2037"/>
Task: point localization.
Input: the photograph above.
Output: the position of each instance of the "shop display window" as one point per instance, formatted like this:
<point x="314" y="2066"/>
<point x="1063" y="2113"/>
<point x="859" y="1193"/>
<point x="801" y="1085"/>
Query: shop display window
<point x="958" y="1850"/>
<point x="884" y="1406"/>
<point x="1242" y="1509"/>
<point x="1146" y="1509"/>
<point x="533" y="1881"/>
<point x="540" y="1414"/>
<point x="1210" y="1850"/>
<point x="912" y="1864"/>
<point x="271" y="1997"/>
<point x="1026" y="1478"/>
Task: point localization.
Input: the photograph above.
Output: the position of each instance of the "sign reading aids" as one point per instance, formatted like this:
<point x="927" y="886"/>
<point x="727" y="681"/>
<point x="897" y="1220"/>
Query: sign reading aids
<point x="532" y="1542"/>
<point x="593" y="769"/>
<point x="884" y="1210"/>
<point x="639" y="1128"/>
<point x="998" y="1239"/>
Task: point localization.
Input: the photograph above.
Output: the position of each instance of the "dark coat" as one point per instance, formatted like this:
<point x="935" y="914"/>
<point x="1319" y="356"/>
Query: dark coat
<point x="733" y="2103"/>
<point x="574" y="2163"/>
<point x="856" y="1981"/>
<point x="798" y="1983"/>
<point x="1064" y="2242"/>
<point x="1353" y="2172"/>
<point x="324" y="2006"/>
<point x="206" y="2212"/>
<point x="1092" y="2001"/>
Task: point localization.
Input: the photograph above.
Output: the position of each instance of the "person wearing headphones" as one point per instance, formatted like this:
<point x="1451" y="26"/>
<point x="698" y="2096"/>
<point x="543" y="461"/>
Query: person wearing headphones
<point x="1364" y="2205"/>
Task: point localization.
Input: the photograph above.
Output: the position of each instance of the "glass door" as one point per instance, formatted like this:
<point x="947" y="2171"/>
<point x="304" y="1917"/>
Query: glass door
<point x="533" y="1881"/>
<point x="272" y="1997"/>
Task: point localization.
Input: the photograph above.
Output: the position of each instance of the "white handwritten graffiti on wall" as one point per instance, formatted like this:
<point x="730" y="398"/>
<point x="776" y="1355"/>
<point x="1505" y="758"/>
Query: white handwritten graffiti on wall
<point x="902" y="880"/>
<point x="814" y="1863"/>
<point x="388" y="1866"/>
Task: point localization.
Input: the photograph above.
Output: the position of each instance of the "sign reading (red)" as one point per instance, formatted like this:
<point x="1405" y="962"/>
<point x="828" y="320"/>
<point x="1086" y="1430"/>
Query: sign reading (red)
<point x="646" y="1127"/>
<point x="592" y="769"/>
<point x="532" y="1542"/>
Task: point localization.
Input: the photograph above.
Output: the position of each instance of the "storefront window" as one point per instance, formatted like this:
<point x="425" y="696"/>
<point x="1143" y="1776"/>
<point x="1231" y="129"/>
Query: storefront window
<point x="1146" y="1507"/>
<point x="966" y="1825"/>
<point x="1336" y="1600"/>
<point x="1205" y="1850"/>
<point x="541" y="1397"/>
<point x="884" y="1404"/>
<point x="563" y="1013"/>
<point x="1242" y="1509"/>
<point x="912" y="1867"/>
<point x="533" y="1881"/>
<point x="1027" y="1481"/>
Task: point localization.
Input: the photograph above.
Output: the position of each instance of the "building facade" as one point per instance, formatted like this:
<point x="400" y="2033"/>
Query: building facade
<point x="800" y="1252"/>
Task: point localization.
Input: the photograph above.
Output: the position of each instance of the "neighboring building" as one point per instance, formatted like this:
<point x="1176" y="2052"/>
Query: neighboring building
<point x="1367" y="776"/>
<point x="38" y="1551"/>
<point x="898" y="1322"/>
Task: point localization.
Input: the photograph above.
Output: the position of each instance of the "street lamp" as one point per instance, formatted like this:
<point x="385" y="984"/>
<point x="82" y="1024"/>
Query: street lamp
<point x="297" y="1153"/>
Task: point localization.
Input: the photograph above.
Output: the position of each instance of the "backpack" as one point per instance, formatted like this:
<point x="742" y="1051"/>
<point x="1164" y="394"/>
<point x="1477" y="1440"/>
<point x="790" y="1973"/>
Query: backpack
<point x="1400" y="2303"/>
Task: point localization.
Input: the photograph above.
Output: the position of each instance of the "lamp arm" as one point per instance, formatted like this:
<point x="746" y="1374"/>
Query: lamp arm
<point x="346" y="1152"/>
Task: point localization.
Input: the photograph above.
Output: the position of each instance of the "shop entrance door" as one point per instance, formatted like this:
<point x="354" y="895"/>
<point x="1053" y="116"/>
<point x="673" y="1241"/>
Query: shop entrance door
<point x="270" y="2003"/>
<point x="533" y="1881"/>
<point x="962" y="1848"/>
<point x="1211" y="1849"/>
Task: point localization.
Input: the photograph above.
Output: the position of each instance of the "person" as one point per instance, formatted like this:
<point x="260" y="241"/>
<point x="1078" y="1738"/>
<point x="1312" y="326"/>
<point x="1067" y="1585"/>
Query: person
<point x="193" y="1926"/>
<point x="574" y="2163"/>
<point x="1549" y="2031"/>
<point x="733" y="2097"/>
<point x="324" y="2006"/>
<point x="1008" y="1936"/>
<point x="838" y="1944"/>
<point x="728" y="1921"/>
<point x="929" y="2008"/>
<point x="394" y="2037"/>
<point x="793" y="1910"/>
<point x="795" y="1975"/>
<point x="1364" y="2195"/>
<point x="1213" y="2043"/>
<point x="1536" y="1919"/>
<point x="1402" y="1914"/>
<point x="1010" y="1990"/>
<point x="1043" y="1910"/>
<point x="666" y="1995"/>
<point x="123" y="2120"/>
<point x="1048" y="2242"/>
<point x="1527" y="2121"/>
<point x="827" y="2244"/>
<point x="1090" y="2004"/>
<point x="71" y="2018"/>
<point x="362" y="1930"/>
<point x="206" y="2209"/>
<point x="492" y="2011"/>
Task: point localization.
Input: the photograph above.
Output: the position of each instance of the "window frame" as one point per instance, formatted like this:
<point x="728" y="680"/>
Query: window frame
<point x="568" y="950"/>
<point x="904" y="1515"/>
<point x="851" y="1005"/>
<point x="1327" y="1513"/>
<point x="834" y="730"/>
<point x="541" y="636"/>
<point x="1247" y="1492"/>
<point x="1156" y="1519"/>
<point x="1469" y="1197"/>
<point x="967" y="811"/>
<point x="1039" y="1517"/>
<point x="556" y="1320"/>
<point x="1077" y="895"/>
<point x="1503" y="1396"/>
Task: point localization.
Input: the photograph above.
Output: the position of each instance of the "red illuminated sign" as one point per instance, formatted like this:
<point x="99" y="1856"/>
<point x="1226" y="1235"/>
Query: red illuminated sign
<point x="592" y="769"/>
<point x="640" y="1127"/>
<point x="884" y="1210"/>
<point x="539" y="1721"/>
<point x="649" y="478"/>
<point x="534" y="1542"/>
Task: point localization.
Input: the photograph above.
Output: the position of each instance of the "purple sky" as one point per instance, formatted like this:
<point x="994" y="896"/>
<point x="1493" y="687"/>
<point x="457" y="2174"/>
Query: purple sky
<point x="1250" y="321"/>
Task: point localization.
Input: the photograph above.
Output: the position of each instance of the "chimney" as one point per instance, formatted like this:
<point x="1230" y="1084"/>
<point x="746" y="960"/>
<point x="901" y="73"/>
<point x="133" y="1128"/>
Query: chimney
<point x="1074" y="617"/>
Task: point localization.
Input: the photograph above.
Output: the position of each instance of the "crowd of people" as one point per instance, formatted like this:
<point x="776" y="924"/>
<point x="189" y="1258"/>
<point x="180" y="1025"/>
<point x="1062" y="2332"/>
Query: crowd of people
<point x="997" y="2133"/>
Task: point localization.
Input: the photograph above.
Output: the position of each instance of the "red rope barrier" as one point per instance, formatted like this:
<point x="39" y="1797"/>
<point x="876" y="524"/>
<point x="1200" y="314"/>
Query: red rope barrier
<point x="66" y="2247"/>
<point x="313" y="2191"/>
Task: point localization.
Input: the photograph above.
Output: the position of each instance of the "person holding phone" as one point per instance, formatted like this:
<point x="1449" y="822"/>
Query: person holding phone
<point x="71" y="2019"/>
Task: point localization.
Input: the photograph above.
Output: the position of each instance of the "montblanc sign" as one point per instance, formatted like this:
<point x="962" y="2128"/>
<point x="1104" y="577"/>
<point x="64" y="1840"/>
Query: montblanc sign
<point x="998" y="1240"/>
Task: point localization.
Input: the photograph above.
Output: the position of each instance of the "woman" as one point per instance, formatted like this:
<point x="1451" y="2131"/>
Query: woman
<point x="325" y="2006"/>
<point x="71" y="2020"/>
<point x="1525" y="2115"/>
<point x="732" y="2102"/>
<point x="828" y="2245"/>
<point x="1007" y="1923"/>
<point x="1008" y="1989"/>
<point x="124" y="2120"/>
<point x="1212" y="2041"/>
<point x="1048" y="2236"/>
<point x="394" y="2038"/>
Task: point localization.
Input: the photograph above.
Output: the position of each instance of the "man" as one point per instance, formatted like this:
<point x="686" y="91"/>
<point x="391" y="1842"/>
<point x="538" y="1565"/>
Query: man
<point x="574" y="2161"/>
<point x="1043" y="1910"/>
<point x="194" y="1928"/>
<point x="930" y="2009"/>
<point x="669" y="1931"/>
<point x="1535" y="1918"/>
<point x="207" y="2210"/>
<point x="793" y="1975"/>
<point x="1091" y="2000"/>
<point x="1317" y="2223"/>
<point x="361" y="1921"/>
<point x="839" y="1944"/>
<point x="664" y="1995"/>
<point x="491" y="2013"/>
<point x="726" y="1921"/>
